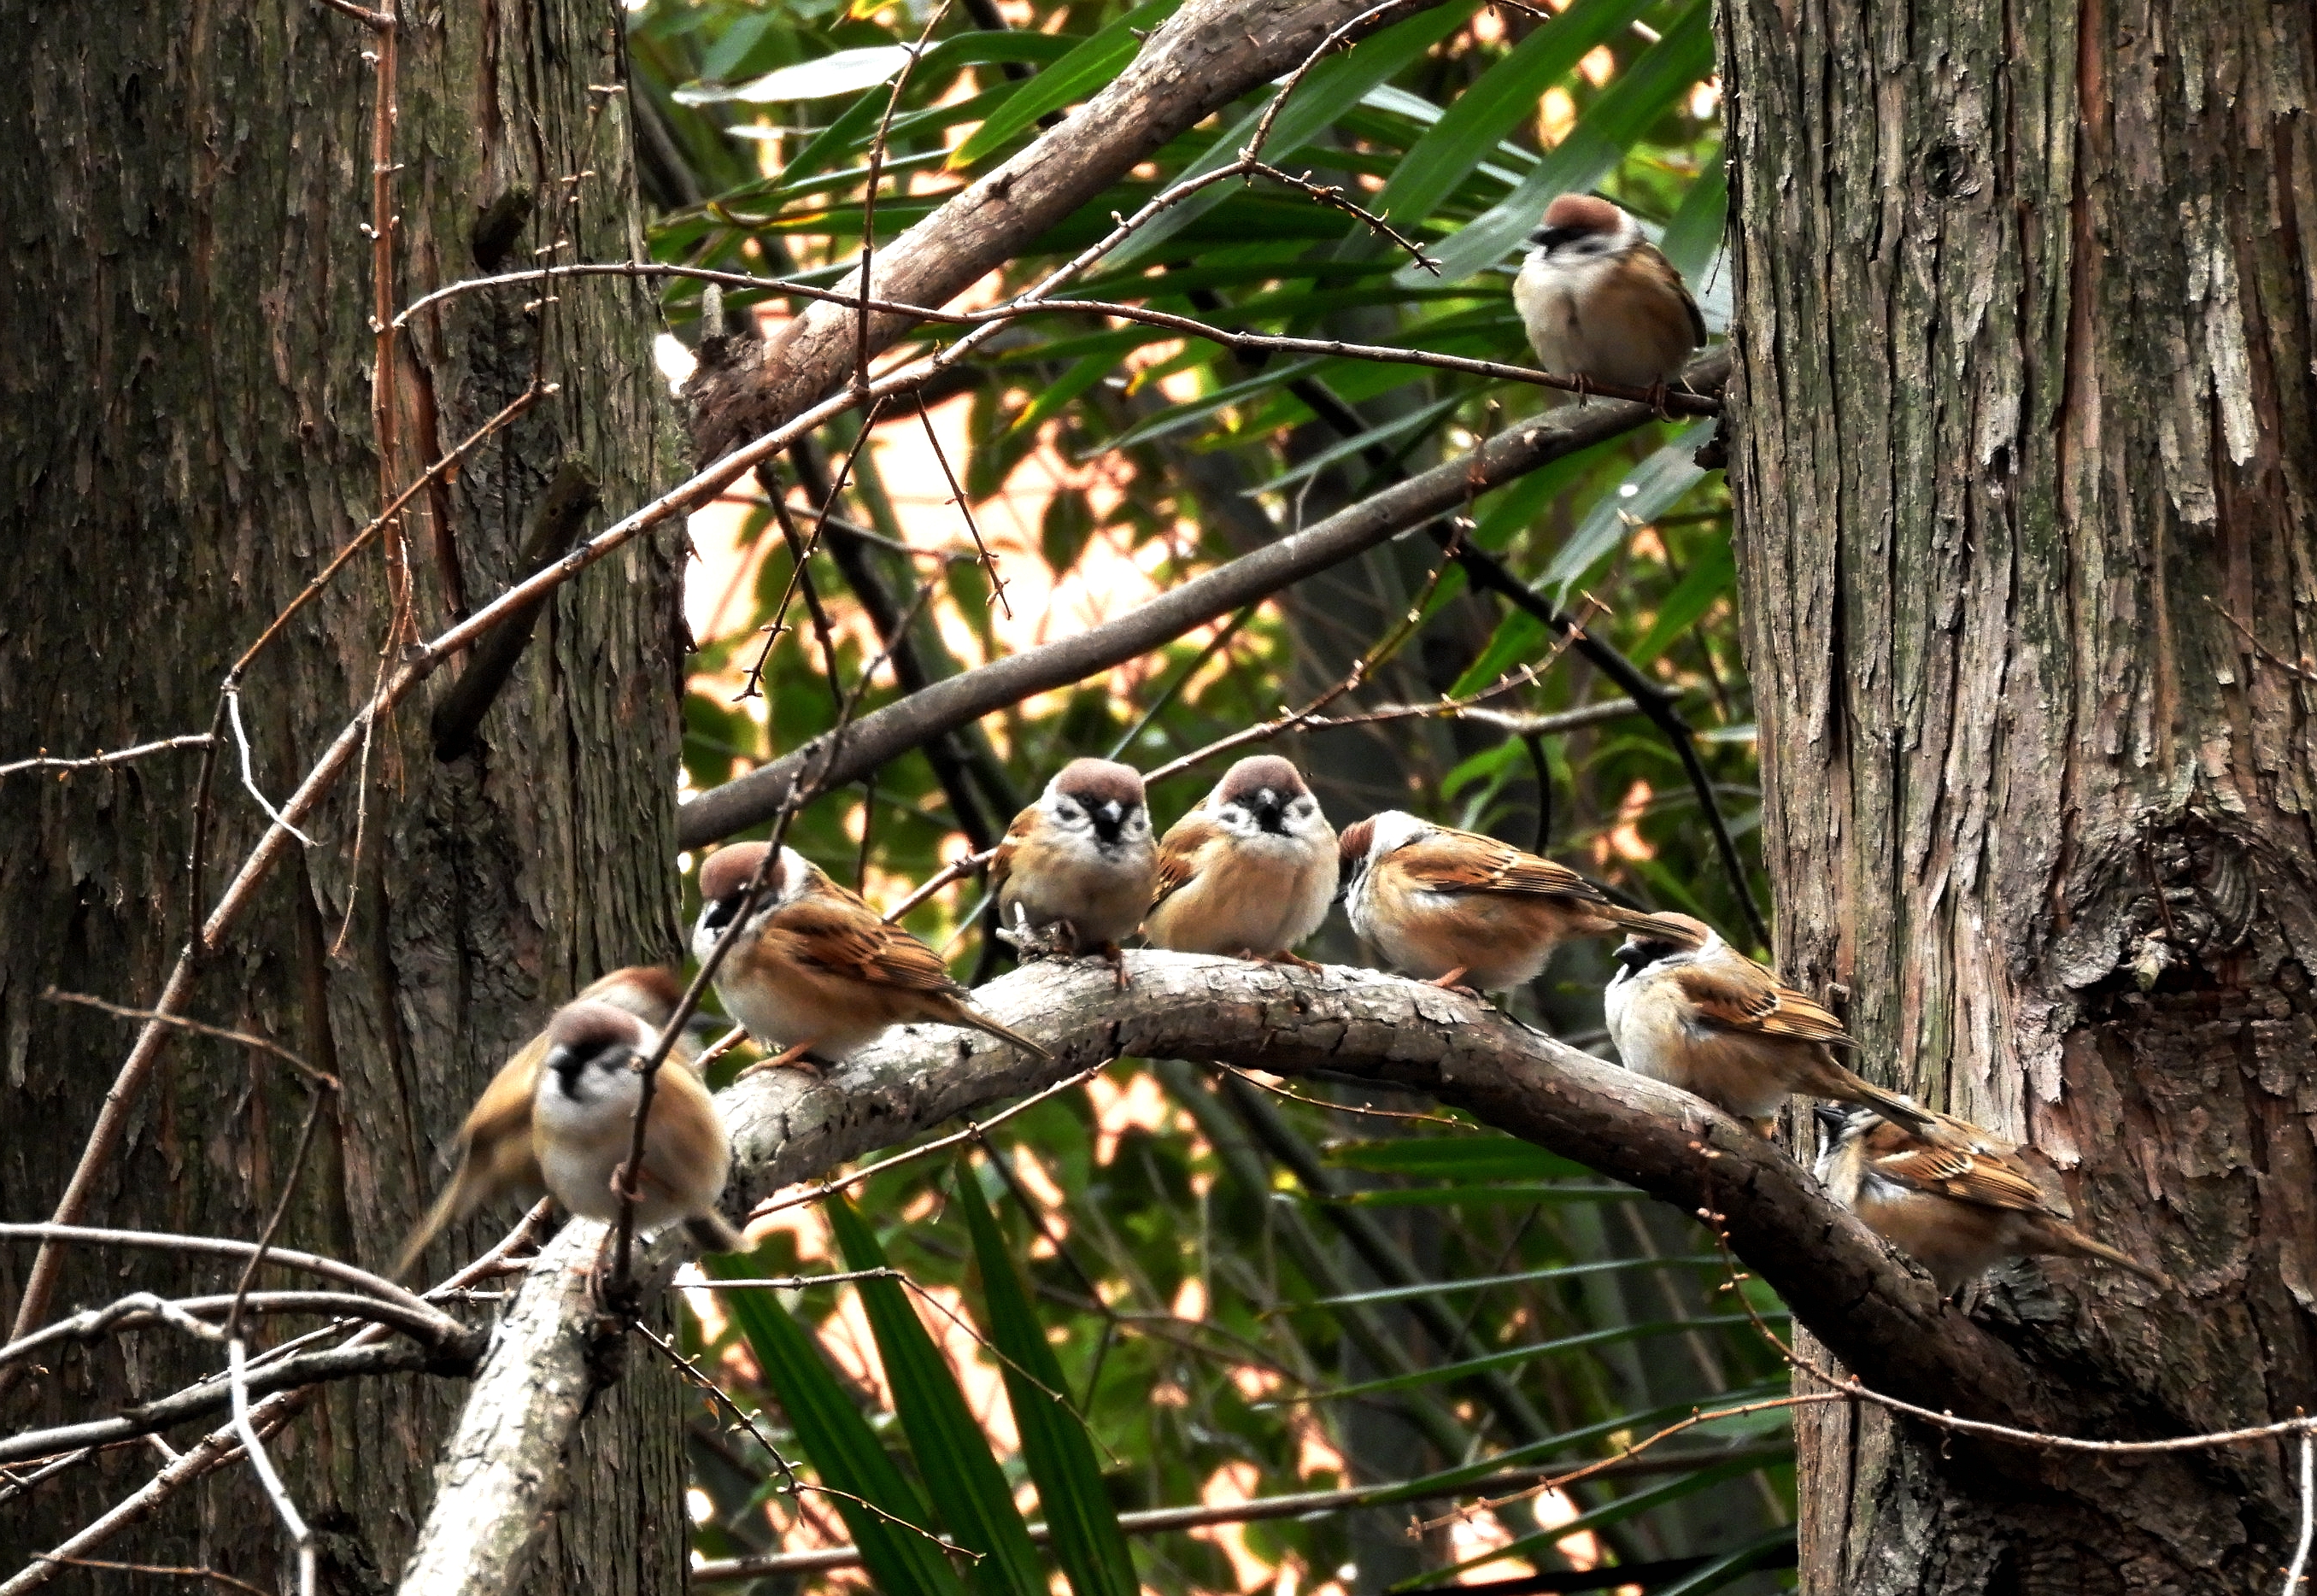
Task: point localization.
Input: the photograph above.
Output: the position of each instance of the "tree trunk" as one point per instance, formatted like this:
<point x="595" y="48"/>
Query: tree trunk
<point x="188" y="344"/>
<point x="2023" y="453"/>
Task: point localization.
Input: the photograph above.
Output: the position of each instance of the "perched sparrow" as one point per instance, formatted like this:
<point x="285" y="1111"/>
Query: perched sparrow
<point x="1454" y="908"/>
<point x="1958" y="1210"/>
<point x="1250" y="870"/>
<point x="1600" y="301"/>
<point x="1688" y="1008"/>
<point x="815" y="971"/>
<point x="583" y="1125"/>
<point x="1079" y="861"/>
<point x="495" y="1156"/>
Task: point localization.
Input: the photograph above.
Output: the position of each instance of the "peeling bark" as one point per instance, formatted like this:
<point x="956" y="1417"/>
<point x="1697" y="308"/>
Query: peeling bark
<point x="2023" y="445"/>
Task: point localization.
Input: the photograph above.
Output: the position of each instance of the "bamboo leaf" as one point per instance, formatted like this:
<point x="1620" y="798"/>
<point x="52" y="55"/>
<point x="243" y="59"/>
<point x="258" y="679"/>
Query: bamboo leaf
<point x="1086" y="68"/>
<point x="1469" y="1197"/>
<point x="1512" y="1355"/>
<point x="1644" y="92"/>
<point x="1503" y="98"/>
<point x="1468" y="1157"/>
<point x="1649" y="490"/>
<point x="1079" y="1517"/>
<point x="841" y="1446"/>
<point x="965" y="1482"/>
<point x="1769" y="1552"/>
<point x="1715" y="574"/>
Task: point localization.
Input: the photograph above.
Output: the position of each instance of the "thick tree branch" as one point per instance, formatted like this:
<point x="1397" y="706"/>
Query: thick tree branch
<point x="943" y="706"/>
<point x="1209" y="54"/>
<point x="1880" y="1315"/>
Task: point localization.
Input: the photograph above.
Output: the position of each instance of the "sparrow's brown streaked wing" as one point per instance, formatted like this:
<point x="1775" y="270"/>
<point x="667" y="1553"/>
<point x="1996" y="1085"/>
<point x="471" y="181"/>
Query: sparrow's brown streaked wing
<point x="1653" y="257"/>
<point x="1966" y="1177"/>
<point x="1739" y="995"/>
<point x="1001" y="863"/>
<point x="1465" y="862"/>
<point x="853" y="942"/>
<point x="1178" y="857"/>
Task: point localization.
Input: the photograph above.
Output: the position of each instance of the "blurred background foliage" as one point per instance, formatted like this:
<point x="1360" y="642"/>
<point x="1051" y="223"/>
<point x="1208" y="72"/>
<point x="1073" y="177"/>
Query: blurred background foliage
<point x="1177" y="1287"/>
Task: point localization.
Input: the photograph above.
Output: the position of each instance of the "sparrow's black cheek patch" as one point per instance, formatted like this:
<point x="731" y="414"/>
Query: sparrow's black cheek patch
<point x="719" y="913"/>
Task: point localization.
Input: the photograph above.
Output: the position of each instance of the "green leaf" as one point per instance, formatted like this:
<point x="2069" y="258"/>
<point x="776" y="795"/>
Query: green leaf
<point x="1503" y="97"/>
<point x="1399" y="427"/>
<point x="1568" y="1272"/>
<point x="1079" y="1517"/>
<point x="965" y="1482"/>
<point x="1086" y="68"/>
<point x="1511" y="1356"/>
<point x="1694" y="237"/>
<point x="1643" y="92"/>
<point x="841" y="1446"/>
<point x="1769" y="1552"/>
<point x="1714" y="575"/>
<point x="1649" y="490"/>
<point x="1469" y="1197"/>
<point x="1329" y="90"/>
<point x="1467" y="1158"/>
<point x="845" y="72"/>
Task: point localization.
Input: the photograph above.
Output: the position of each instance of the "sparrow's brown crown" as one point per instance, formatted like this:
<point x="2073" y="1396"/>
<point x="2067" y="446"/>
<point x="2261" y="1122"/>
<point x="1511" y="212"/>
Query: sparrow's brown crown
<point x="1252" y="776"/>
<point x="729" y="870"/>
<point x="648" y="991"/>
<point x="1100" y="781"/>
<point x="1352" y="842"/>
<point x="1583" y="213"/>
<point x="588" y="1027"/>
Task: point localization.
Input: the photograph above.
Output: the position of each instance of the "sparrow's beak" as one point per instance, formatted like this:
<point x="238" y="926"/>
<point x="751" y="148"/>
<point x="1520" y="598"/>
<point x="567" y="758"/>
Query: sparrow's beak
<point x="1270" y="812"/>
<point x="1107" y="819"/>
<point x="567" y="1064"/>
<point x="1830" y="1120"/>
<point x="717" y="915"/>
<point x="1632" y="955"/>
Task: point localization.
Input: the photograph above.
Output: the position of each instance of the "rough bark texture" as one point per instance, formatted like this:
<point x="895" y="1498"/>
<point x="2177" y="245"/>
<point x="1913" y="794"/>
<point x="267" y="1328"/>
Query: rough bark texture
<point x="187" y="348"/>
<point x="2024" y="457"/>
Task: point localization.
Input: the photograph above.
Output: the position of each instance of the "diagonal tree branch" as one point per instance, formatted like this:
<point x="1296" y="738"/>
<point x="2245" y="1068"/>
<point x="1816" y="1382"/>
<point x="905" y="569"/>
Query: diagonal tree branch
<point x="1881" y="1316"/>
<point x="941" y="705"/>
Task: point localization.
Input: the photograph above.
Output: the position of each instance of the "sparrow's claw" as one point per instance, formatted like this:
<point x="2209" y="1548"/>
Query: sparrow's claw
<point x="1116" y="957"/>
<point x="1453" y="982"/>
<point x="1658" y="401"/>
<point x="1285" y="956"/>
<point x="1039" y="942"/>
<point x="799" y="1057"/>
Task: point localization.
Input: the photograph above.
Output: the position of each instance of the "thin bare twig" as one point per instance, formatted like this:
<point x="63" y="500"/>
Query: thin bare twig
<point x="988" y="561"/>
<point x="214" y="1575"/>
<point x="224" y="1246"/>
<point x="1276" y="1089"/>
<point x="196" y="740"/>
<point x="869" y="194"/>
<point x="263" y="1467"/>
<point x="280" y="1207"/>
<point x="2293" y="1573"/>
<point x="155" y="1016"/>
<point x="248" y="780"/>
<point x="957" y="869"/>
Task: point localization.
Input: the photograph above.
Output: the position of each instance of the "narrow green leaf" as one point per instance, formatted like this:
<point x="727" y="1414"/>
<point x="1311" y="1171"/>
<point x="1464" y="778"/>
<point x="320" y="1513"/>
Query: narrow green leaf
<point x="1399" y="427"/>
<point x="1641" y="94"/>
<point x="1086" y="68"/>
<point x="1512" y="1355"/>
<point x="1467" y="1158"/>
<point x="841" y="1447"/>
<point x="1649" y="490"/>
<point x="1470" y="1197"/>
<point x="1694" y="237"/>
<point x="1503" y="97"/>
<point x="965" y="1482"/>
<point x="1329" y="90"/>
<point x="1079" y="1517"/>
<point x="1715" y="574"/>
<point x="1774" y="1550"/>
<point x="1568" y="1272"/>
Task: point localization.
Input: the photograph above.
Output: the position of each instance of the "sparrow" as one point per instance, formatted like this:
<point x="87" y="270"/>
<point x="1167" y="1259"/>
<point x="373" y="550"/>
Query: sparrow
<point x="1079" y="863"/>
<point x="1957" y="1210"/>
<point x="583" y="1127"/>
<point x="495" y="1156"/>
<point x="1250" y="870"/>
<point x="1688" y="1008"/>
<point x="1458" y="910"/>
<point x="815" y="971"/>
<point x="1599" y="301"/>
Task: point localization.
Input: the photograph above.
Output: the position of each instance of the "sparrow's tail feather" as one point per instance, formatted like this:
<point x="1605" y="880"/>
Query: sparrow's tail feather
<point x="1900" y="1109"/>
<point x="982" y="1022"/>
<point x="450" y="1205"/>
<point x="713" y="1233"/>
<point x="2070" y="1239"/>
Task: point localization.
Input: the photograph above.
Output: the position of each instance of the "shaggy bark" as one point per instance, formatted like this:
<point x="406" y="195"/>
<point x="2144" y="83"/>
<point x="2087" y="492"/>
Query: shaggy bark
<point x="186" y="376"/>
<point x="2023" y="442"/>
<point x="1882" y="1316"/>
